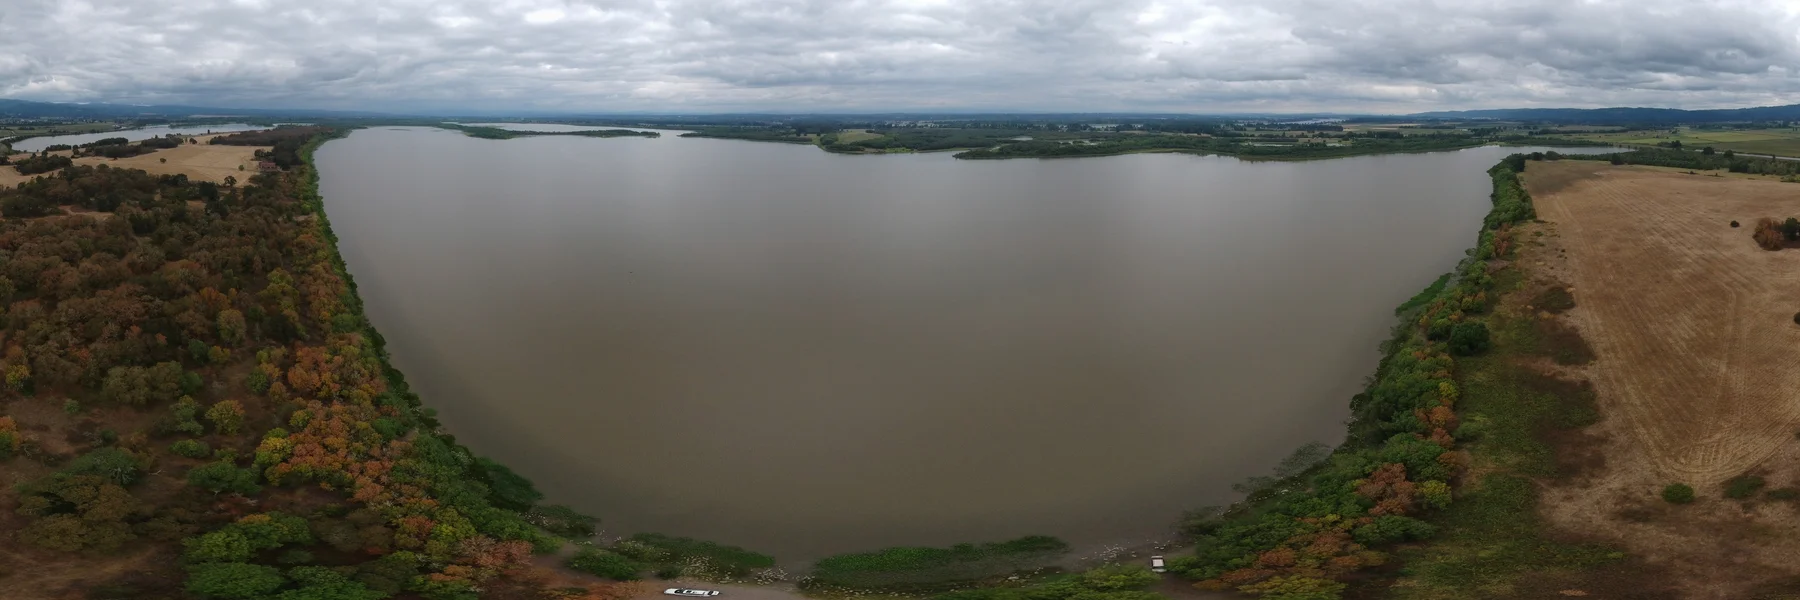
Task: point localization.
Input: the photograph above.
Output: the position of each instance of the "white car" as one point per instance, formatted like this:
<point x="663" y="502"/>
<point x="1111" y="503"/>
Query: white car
<point x="688" y="592"/>
<point x="1156" y="565"/>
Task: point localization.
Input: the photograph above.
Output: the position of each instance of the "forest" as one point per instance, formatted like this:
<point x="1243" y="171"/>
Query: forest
<point x="193" y="373"/>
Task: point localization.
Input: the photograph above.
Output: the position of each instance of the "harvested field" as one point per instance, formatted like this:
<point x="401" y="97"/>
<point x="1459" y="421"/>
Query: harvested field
<point x="1696" y="366"/>
<point x="200" y="162"/>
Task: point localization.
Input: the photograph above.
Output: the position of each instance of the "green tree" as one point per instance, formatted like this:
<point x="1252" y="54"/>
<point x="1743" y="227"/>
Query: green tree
<point x="320" y="583"/>
<point x="1297" y="588"/>
<point x="226" y="415"/>
<point x="1468" y="337"/>
<point x="1678" y="493"/>
<point x="233" y="581"/>
<point x="223" y="477"/>
<point x="231" y="326"/>
<point x="184" y="416"/>
<point x="224" y="545"/>
<point x="190" y="448"/>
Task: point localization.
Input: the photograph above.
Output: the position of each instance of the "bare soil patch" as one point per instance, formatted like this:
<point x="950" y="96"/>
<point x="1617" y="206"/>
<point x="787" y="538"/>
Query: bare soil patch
<point x="1696" y="367"/>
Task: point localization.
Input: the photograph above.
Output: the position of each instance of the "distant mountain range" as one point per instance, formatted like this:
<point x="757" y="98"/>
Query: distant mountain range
<point x="1611" y="116"/>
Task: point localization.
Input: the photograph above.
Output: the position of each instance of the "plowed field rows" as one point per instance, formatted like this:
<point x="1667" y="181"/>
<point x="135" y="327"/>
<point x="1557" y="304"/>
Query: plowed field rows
<point x="1699" y="355"/>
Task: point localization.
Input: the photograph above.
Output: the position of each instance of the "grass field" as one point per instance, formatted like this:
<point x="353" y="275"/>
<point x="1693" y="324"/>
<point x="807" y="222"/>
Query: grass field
<point x="1693" y="333"/>
<point x="855" y="135"/>
<point x="1779" y="142"/>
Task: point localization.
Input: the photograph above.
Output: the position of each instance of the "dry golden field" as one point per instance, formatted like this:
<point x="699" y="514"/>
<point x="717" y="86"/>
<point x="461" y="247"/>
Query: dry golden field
<point x="1696" y="370"/>
<point x="200" y="162"/>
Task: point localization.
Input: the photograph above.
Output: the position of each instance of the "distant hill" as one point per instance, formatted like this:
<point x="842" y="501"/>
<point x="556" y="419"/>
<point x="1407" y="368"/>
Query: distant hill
<point x="1622" y="115"/>
<point x="25" y="109"/>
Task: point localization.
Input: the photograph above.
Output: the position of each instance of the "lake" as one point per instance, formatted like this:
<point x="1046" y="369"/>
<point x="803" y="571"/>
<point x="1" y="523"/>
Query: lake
<point x="143" y="133"/>
<point x="807" y="353"/>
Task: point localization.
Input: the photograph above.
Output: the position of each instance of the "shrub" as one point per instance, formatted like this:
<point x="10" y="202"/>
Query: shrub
<point x="1468" y="337"/>
<point x="1392" y="528"/>
<point x="1678" y="493"/>
<point x="562" y="520"/>
<point x="223" y="477"/>
<point x="233" y="581"/>
<point x="184" y="416"/>
<point x="1790" y="229"/>
<point x="1743" y="486"/>
<point x="1734" y="223"/>
<point x="1767" y="234"/>
<point x="9" y="438"/>
<point x="190" y="448"/>
<point x="1784" y="494"/>
<point x="728" y="559"/>
<point x="669" y="572"/>
<point x="604" y="564"/>
<point x="72" y="407"/>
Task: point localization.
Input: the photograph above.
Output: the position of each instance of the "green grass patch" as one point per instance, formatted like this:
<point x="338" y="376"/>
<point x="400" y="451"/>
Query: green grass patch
<point x="1743" y="487"/>
<point x="916" y="568"/>
<point x="1492" y="539"/>
<point x="667" y="550"/>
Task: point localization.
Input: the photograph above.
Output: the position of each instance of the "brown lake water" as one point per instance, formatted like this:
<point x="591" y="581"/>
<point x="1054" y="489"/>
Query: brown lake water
<point x="806" y="353"/>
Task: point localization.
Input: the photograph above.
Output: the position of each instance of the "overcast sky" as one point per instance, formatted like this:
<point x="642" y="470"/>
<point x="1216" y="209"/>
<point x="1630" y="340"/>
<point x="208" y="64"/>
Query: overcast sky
<point x="850" y="55"/>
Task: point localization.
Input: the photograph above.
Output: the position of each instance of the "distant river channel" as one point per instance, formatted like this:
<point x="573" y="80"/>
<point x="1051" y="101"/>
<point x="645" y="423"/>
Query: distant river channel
<point x="806" y="353"/>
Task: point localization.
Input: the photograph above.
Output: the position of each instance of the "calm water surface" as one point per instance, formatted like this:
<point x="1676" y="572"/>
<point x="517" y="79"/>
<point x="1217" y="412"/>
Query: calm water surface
<point x="807" y="353"/>
<point x="39" y="143"/>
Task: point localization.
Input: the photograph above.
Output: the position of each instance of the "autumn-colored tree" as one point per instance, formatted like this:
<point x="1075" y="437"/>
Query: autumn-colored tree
<point x="1767" y="234"/>
<point x="232" y="326"/>
<point x="227" y="416"/>
<point x="9" y="438"/>
<point x="18" y="378"/>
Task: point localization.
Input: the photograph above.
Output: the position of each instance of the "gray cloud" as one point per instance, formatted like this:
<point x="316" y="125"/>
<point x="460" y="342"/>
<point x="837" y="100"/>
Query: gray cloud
<point x="845" y="55"/>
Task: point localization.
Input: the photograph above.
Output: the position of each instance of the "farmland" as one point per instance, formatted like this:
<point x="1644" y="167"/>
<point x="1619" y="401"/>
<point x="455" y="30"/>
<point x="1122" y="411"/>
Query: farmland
<point x="1693" y="346"/>
<point x="1776" y="141"/>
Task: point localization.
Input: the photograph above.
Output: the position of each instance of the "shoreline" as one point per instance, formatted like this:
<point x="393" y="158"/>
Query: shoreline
<point x="1102" y="555"/>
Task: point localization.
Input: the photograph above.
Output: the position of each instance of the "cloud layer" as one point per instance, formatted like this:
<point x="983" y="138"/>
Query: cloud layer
<point x="848" y="55"/>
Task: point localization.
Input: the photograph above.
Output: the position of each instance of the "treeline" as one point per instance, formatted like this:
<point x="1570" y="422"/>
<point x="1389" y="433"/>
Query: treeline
<point x="286" y="142"/>
<point x="1292" y="149"/>
<point x="1701" y="160"/>
<point x="1306" y="533"/>
<point x="496" y="133"/>
<point x="42" y="163"/>
<point x="759" y="134"/>
<point x="99" y="188"/>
